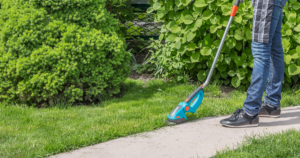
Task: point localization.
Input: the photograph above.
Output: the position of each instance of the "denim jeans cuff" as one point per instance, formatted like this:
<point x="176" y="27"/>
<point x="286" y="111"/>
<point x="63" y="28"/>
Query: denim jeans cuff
<point x="270" y="104"/>
<point x="249" y="112"/>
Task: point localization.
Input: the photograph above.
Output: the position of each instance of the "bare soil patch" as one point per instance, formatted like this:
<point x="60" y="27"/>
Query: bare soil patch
<point x="227" y="89"/>
<point x="143" y="77"/>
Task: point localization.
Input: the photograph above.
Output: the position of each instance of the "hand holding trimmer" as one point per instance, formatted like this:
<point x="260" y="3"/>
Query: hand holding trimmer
<point x="192" y="103"/>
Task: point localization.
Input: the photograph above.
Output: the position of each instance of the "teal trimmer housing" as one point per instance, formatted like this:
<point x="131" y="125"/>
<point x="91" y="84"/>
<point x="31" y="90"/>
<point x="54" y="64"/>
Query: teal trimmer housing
<point x="192" y="103"/>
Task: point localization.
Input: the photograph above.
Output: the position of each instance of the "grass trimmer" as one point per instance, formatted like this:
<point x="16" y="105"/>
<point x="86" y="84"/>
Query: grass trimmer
<point x="192" y="103"/>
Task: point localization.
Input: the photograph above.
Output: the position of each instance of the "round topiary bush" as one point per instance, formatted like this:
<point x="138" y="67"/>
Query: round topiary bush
<point x="54" y="50"/>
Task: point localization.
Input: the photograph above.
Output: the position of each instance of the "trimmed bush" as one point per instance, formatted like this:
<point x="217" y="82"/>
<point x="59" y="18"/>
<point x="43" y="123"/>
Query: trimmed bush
<point x="54" y="50"/>
<point x="193" y="30"/>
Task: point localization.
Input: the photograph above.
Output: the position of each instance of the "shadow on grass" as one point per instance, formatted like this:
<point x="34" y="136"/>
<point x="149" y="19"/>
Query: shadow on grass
<point x="131" y="90"/>
<point x="134" y="90"/>
<point x="139" y="90"/>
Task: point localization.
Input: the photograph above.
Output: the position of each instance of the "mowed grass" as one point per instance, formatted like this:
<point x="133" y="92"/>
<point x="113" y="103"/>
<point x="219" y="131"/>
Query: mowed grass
<point x="284" y="144"/>
<point x="31" y="132"/>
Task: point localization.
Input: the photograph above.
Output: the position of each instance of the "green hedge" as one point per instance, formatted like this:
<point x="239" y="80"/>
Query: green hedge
<point x="193" y="30"/>
<point x="53" y="50"/>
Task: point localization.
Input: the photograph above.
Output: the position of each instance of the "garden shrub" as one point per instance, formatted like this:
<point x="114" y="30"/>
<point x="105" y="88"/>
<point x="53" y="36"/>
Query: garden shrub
<point x="193" y="29"/>
<point x="54" y="50"/>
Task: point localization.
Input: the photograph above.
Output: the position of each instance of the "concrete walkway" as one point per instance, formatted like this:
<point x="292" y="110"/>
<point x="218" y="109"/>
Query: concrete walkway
<point x="200" y="138"/>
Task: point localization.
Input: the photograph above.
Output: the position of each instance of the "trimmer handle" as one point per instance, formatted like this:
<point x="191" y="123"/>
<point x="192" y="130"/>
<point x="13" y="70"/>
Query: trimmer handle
<point x="237" y="2"/>
<point x="235" y="7"/>
<point x="232" y="14"/>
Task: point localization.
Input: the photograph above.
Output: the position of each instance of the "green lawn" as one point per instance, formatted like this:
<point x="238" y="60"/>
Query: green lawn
<point x="285" y="144"/>
<point x="31" y="132"/>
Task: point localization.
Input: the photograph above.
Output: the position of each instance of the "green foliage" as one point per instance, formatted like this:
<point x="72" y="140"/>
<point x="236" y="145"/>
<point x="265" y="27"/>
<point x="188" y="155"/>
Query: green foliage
<point x="53" y="50"/>
<point x="121" y="10"/>
<point x="193" y="31"/>
<point x="129" y="16"/>
<point x="125" y="13"/>
<point x="141" y="25"/>
<point x="146" y="66"/>
<point x="137" y="45"/>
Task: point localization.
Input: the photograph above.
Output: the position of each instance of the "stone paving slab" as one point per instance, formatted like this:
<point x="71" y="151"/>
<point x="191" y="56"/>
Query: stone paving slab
<point x="200" y="138"/>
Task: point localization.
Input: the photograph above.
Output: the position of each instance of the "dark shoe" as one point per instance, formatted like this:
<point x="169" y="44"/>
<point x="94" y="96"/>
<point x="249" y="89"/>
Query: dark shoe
<point x="267" y="111"/>
<point x="240" y="119"/>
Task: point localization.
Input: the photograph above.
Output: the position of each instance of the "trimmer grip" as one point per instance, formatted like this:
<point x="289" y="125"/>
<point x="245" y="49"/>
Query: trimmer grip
<point x="235" y="7"/>
<point x="237" y="2"/>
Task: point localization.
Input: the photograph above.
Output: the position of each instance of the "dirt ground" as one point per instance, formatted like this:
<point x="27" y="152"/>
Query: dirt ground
<point x="227" y="89"/>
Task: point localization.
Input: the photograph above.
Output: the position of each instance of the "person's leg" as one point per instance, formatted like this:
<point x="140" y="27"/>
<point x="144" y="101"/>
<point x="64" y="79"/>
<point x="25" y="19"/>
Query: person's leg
<point x="262" y="55"/>
<point x="276" y="73"/>
<point x="247" y="116"/>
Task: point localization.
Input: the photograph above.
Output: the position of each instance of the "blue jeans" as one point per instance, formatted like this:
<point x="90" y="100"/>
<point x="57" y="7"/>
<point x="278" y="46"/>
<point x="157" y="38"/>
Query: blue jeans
<point x="268" y="65"/>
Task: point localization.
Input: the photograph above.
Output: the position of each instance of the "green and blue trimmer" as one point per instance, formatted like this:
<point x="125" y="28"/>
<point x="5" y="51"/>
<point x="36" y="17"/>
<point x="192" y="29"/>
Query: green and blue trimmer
<point x="192" y="102"/>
